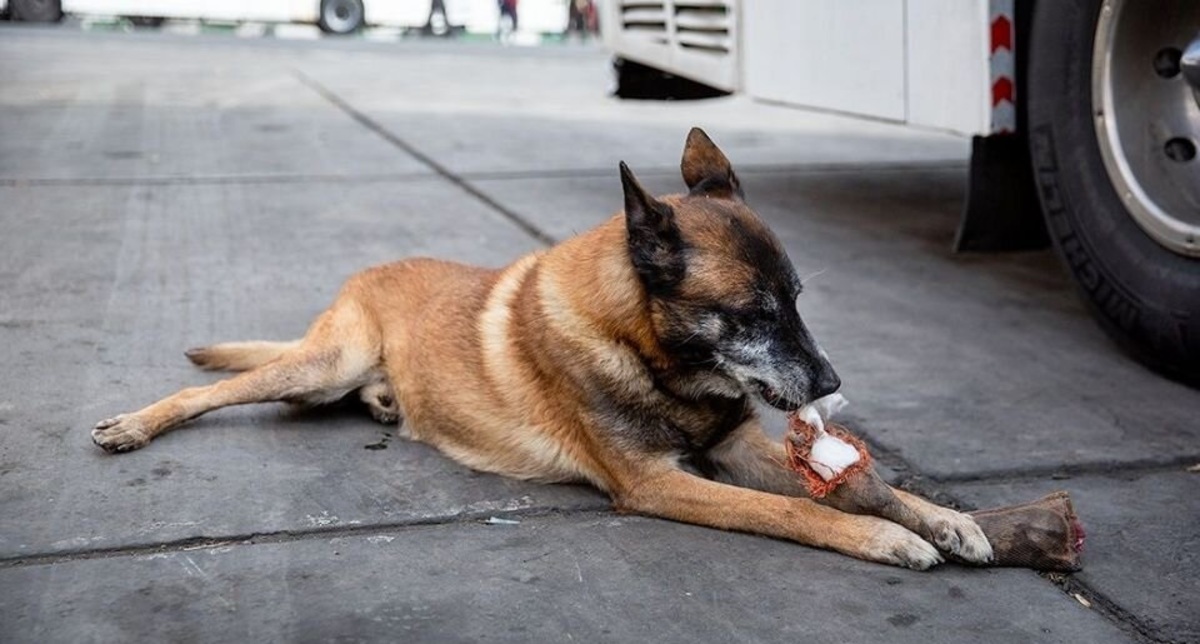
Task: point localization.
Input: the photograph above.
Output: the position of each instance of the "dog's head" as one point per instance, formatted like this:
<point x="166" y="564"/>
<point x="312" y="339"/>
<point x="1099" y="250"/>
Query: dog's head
<point x="721" y="289"/>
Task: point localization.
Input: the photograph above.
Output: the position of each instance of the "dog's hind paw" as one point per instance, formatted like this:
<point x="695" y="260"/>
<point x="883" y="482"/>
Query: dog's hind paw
<point x="123" y="433"/>
<point x="381" y="402"/>
<point x="958" y="534"/>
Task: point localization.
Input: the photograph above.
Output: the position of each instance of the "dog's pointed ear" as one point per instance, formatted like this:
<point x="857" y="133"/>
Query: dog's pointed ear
<point x="655" y="245"/>
<point x="706" y="171"/>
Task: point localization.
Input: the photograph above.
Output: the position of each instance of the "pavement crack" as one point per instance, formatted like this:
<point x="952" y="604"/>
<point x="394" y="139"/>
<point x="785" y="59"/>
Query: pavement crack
<point x="371" y="124"/>
<point x="742" y="169"/>
<point x="1136" y="467"/>
<point x="477" y="175"/>
<point x="212" y="180"/>
<point x="1131" y="624"/>
<point x="286" y="536"/>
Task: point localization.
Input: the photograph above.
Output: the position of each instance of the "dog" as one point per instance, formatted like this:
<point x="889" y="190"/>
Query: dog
<point x="627" y="357"/>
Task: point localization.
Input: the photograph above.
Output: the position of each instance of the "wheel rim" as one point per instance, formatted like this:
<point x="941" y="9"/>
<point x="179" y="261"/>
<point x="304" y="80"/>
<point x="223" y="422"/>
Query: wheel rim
<point x="342" y="15"/>
<point x="1147" y="116"/>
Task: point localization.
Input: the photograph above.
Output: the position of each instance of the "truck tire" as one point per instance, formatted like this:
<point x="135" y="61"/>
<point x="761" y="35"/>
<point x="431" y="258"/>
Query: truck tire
<point x="36" y="10"/>
<point x="341" y="17"/>
<point x="151" y="22"/>
<point x="1112" y="141"/>
<point x="437" y="24"/>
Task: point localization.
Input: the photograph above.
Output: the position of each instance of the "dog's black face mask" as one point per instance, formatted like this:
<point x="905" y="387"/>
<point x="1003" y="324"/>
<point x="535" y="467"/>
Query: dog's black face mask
<point x="722" y="290"/>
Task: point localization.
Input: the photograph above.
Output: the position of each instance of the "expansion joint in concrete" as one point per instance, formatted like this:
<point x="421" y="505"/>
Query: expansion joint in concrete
<point x="361" y="118"/>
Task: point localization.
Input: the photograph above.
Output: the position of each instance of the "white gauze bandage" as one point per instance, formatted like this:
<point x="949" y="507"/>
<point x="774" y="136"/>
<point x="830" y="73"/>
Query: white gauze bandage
<point x="829" y="455"/>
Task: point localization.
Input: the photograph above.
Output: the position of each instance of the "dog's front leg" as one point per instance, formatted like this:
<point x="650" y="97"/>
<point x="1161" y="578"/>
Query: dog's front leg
<point x="663" y="490"/>
<point x="953" y="531"/>
<point x="749" y="458"/>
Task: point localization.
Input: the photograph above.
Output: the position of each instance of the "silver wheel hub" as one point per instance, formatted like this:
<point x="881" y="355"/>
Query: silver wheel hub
<point x="1147" y="114"/>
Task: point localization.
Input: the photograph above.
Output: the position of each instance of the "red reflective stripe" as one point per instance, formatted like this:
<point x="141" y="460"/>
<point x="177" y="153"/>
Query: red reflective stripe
<point x="1002" y="90"/>
<point x="1003" y="76"/>
<point x="1002" y="34"/>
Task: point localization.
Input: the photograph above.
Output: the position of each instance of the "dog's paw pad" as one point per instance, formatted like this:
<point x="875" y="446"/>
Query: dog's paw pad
<point x="122" y="433"/>
<point x="959" y="535"/>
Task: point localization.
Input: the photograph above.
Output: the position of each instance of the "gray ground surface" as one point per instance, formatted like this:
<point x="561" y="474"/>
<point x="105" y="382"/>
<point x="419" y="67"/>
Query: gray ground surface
<point x="158" y="193"/>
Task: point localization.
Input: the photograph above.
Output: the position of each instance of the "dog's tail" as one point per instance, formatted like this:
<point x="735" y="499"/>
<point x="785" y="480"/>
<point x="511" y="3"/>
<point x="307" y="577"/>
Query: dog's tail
<point x="238" y="356"/>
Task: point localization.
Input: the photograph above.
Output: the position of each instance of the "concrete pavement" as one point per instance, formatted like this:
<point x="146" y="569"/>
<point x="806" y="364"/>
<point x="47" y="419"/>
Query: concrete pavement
<point x="159" y="192"/>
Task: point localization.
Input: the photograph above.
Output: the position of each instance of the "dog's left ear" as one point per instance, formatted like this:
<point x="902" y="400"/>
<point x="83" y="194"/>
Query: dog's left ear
<point x="706" y="171"/>
<point x="655" y="243"/>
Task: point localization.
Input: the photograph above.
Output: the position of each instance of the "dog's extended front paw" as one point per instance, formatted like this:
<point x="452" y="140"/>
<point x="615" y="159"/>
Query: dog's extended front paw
<point x="958" y="534"/>
<point x="123" y="433"/>
<point x="894" y="544"/>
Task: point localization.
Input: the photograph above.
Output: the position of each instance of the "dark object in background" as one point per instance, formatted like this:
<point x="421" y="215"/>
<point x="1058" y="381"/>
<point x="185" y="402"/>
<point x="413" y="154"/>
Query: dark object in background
<point x="582" y="18"/>
<point x="438" y="24"/>
<point x="508" y="9"/>
<point x="638" y="81"/>
<point x="35" y="10"/>
<point x="1002" y="212"/>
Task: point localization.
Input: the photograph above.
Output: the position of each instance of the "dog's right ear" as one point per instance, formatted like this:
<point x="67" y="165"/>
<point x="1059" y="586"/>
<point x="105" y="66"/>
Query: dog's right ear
<point x="706" y="170"/>
<point x="655" y="245"/>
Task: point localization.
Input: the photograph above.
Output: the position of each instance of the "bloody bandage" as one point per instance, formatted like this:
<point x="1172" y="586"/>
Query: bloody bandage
<point x="825" y="458"/>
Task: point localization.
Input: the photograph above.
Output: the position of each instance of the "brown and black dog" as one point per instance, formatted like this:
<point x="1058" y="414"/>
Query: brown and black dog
<point x="626" y="357"/>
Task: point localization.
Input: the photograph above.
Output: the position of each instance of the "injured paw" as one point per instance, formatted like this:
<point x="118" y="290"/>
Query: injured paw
<point x="123" y="433"/>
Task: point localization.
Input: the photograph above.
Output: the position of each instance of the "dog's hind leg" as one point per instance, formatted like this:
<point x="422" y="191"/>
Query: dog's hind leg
<point x="340" y="353"/>
<point x="238" y="356"/>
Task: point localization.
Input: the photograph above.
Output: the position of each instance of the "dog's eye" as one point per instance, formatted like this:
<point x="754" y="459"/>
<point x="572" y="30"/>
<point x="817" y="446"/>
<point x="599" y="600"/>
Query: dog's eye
<point x="729" y="313"/>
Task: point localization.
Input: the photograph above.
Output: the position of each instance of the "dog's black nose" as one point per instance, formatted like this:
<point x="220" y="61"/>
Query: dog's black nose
<point x="826" y="382"/>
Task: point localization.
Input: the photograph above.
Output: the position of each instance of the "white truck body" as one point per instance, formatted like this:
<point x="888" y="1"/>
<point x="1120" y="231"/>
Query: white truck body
<point x="880" y="59"/>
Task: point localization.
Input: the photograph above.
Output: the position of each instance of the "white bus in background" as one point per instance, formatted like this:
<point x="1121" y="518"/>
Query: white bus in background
<point x="333" y="16"/>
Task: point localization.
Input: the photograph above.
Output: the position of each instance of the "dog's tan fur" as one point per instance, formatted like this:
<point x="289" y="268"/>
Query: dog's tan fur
<point x="492" y="366"/>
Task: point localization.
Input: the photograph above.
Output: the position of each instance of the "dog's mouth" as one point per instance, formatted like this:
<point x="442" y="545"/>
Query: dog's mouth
<point x="773" y="398"/>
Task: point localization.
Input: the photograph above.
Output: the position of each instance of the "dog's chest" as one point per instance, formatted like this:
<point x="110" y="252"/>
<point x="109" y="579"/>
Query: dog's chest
<point x="665" y="423"/>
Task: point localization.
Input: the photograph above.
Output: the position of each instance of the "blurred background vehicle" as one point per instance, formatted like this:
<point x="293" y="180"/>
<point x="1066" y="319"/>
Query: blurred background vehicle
<point x="436" y="17"/>
<point x="1085" y="117"/>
